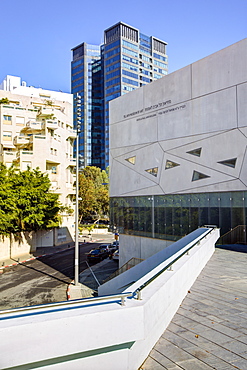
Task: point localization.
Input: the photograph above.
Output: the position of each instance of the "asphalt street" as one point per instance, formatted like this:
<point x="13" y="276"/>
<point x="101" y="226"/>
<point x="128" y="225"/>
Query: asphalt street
<point x="40" y="281"/>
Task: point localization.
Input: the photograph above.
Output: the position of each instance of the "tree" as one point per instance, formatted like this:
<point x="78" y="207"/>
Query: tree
<point x="25" y="201"/>
<point x="94" y="194"/>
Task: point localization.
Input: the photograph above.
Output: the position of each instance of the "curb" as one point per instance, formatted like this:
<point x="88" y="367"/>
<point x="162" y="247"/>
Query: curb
<point x="68" y="290"/>
<point x="30" y="259"/>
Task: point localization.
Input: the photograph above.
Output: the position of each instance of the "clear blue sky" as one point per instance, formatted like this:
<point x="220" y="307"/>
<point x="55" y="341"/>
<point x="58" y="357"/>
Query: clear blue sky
<point x="36" y="37"/>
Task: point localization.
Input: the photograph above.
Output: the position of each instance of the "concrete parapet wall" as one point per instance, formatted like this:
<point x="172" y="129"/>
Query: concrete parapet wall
<point x="139" y="247"/>
<point x="103" y="334"/>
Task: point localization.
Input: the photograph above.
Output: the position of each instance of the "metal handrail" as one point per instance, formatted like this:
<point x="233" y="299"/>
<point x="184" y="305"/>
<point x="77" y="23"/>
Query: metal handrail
<point x="137" y="292"/>
<point x="61" y="305"/>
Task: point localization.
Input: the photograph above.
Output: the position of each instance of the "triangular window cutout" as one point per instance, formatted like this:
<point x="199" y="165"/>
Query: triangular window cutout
<point x="153" y="171"/>
<point x="131" y="160"/>
<point x="229" y="162"/>
<point x="170" y="164"/>
<point x="198" y="176"/>
<point x="196" y="152"/>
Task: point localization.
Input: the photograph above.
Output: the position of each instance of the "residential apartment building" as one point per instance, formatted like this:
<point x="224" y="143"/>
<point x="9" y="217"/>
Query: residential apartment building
<point x="36" y="130"/>
<point x="127" y="60"/>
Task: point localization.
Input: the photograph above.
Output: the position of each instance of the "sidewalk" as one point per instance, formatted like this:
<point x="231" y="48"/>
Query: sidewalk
<point x="91" y="278"/>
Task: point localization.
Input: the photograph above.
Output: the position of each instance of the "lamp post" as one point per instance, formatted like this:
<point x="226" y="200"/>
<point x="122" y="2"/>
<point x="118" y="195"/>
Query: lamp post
<point x="78" y="128"/>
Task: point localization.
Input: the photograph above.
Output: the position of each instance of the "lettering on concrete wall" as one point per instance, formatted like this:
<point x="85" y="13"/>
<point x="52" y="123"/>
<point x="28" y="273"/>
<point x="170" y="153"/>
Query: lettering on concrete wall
<point x="169" y="110"/>
<point x="155" y="106"/>
<point x="147" y="109"/>
<point x="178" y="107"/>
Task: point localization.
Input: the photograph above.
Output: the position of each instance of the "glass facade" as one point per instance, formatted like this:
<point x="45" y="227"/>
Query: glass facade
<point x="126" y="61"/>
<point x="170" y="217"/>
<point x="84" y="57"/>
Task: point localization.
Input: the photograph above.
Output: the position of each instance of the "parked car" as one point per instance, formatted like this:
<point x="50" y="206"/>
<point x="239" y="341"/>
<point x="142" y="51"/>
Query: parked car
<point x="106" y="246"/>
<point x="115" y="255"/>
<point x="115" y="243"/>
<point x="98" y="254"/>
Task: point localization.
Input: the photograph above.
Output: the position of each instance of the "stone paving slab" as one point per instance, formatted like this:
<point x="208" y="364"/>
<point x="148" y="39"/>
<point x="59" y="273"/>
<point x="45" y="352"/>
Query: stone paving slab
<point x="209" y="330"/>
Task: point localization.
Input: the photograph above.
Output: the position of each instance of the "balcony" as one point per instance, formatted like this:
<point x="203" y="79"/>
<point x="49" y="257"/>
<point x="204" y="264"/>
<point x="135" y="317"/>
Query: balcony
<point x="51" y="124"/>
<point x="21" y="141"/>
<point x="39" y="137"/>
<point x="71" y="134"/>
<point x="72" y="162"/>
<point x="8" y="156"/>
<point x="26" y="153"/>
<point x="46" y="112"/>
<point x="33" y="126"/>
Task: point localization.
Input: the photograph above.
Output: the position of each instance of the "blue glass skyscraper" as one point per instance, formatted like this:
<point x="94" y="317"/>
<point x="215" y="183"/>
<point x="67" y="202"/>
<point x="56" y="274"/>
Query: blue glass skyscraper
<point x="126" y="61"/>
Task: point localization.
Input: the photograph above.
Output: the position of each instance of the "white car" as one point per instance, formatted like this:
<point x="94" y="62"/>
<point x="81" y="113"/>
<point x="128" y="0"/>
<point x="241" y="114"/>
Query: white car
<point x="115" y="255"/>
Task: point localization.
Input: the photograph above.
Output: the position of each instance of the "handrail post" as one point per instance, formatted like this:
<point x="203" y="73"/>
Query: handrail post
<point x="139" y="295"/>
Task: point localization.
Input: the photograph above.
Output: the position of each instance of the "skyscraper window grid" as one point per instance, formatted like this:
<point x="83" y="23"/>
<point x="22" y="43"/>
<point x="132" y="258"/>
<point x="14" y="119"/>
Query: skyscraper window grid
<point x="127" y="60"/>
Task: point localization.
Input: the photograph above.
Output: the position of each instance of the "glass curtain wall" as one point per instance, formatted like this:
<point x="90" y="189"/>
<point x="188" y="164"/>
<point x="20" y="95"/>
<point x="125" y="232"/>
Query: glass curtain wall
<point x="170" y="217"/>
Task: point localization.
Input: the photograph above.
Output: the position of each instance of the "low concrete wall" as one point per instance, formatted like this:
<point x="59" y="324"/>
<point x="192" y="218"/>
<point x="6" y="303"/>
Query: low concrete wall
<point x="101" y="335"/>
<point x="27" y="242"/>
<point x="139" y="247"/>
<point x="17" y="245"/>
<point x="95" y="231"/>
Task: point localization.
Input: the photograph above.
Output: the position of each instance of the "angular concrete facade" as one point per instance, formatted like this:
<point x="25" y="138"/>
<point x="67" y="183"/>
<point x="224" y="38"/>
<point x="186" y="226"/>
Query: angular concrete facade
<point x="182" y="136"/>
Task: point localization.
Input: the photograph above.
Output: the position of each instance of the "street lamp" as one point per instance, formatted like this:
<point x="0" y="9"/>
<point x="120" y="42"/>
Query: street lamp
<point x="78" y="129"/>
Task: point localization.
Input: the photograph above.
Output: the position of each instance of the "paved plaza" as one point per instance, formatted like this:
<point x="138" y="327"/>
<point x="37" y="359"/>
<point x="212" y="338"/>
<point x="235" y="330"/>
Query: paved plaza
<point x="209" y="331"/>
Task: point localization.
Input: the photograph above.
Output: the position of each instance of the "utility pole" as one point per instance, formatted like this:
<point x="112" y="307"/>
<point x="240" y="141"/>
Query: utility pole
<point x="78" y="129"/>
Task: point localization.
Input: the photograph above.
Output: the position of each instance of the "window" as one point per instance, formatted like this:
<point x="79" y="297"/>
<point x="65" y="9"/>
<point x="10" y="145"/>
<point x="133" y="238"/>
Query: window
<point x="112" y="67"/>
<point x="129" y="66"/>
<point x="7" y="135"/>
<point x="7" y="120"/>
<point x="112" y="82"/>
<point x="112" y="52"/>
<point x="20" y="121"/>
<point x="129" y="59"/>
<point x="130" y="45"/>
<point x="128" y="81"/>
<point x="112" y="74"/>
<point x="146" y="79"/>
<point x="131" y="160"/>
<point x="198" y="176"/>
<point x="171" y="164"/>
<point x="130" y="74"/>
<point x="54" y="169"/>
<point x="229" y="162"/>
<point x="112" y="45"/>
<point x="128" y="88"/>
<point x="130" y="52"/>
<point x="162" y="65"/>
<point x="112" y="60"/>
<point x="112" y="89"/>
<point x="158" y="56"/>
<point x="153" y="171"/>
<point x="196" y="152"/>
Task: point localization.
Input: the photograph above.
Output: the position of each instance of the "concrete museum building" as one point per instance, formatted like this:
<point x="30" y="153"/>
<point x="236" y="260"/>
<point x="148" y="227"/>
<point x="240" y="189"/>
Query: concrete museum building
<point x="178" y="154"/>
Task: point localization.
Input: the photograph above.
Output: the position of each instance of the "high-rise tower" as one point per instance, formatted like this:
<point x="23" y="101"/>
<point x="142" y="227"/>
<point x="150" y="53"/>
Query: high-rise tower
<point x="127" y="60"/>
